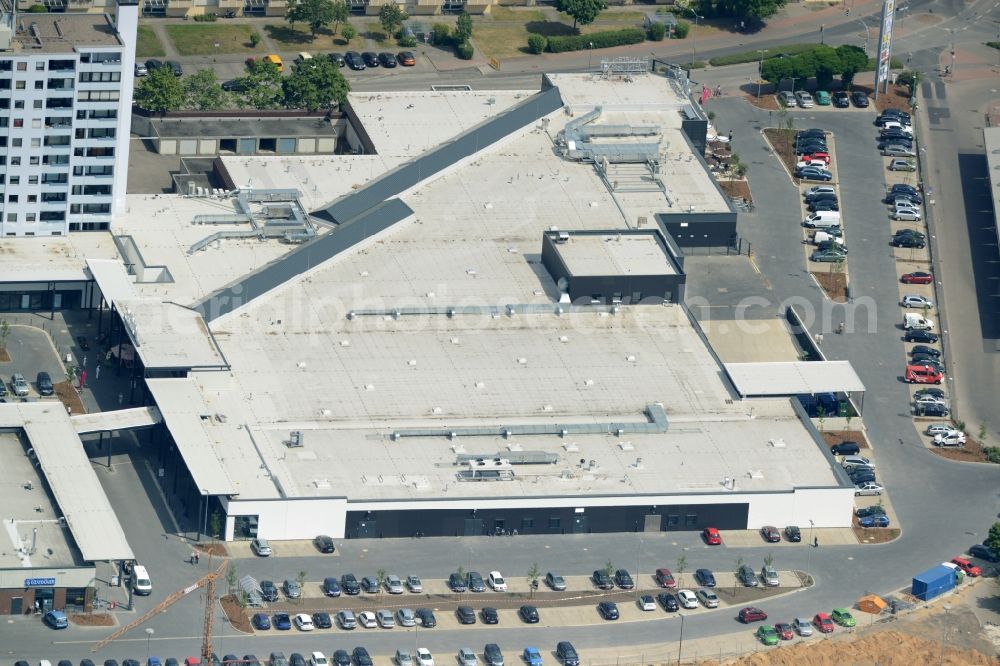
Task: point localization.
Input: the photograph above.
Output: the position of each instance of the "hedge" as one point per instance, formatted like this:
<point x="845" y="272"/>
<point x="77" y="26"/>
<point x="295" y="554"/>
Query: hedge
<point x="464" y="51"/>
<point x="681" y="29"/>
<point x="753" y="56"/>
<point x="600" y="40"/>
<point x="657" y="31"/>
<point x="537" y="43"/>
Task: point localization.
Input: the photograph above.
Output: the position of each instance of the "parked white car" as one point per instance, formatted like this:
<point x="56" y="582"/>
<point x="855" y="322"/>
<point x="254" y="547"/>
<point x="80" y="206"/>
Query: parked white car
<point x="914" y="301"/>
<point x="868" y="488"/>
<point x="950" y="439"/>
<point x="318" y="659"/>
<point x="497" y="582"/>
<point x="929" y="400"/>
<point x="895" y="124"/>
<point x="687" y="599"/>
<point x="304" y="622"/>
<point x="941" y="429"/>
<point x="424" y="657"/>
<point x="367" y="619"/>
<point x="850" y="461"/>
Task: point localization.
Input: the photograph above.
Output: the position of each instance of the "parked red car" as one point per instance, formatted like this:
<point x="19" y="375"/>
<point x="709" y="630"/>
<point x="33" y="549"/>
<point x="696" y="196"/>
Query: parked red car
<point x="818" y="156"/>
<point x="918" y="277"/>
<point x="784" y="631"/>
<point x="712" y="536"/>
<point x="823" y="623"/>
<point x="968" y="567"/>
<point x="770" y="534"/>
<point x="752" y="614"/>
<point x="664" y="578"/>
<point x="923" y="374"/>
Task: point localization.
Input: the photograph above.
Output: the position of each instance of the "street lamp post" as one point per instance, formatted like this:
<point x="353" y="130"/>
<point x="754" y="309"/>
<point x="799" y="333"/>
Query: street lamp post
<point x="812" y="538"/>
<point x="760" y="69"/>
<point x="638" y="576"/>
<point x="944" y="631"/>
<point x="680" y="643"/>
<point x="590" y="55"/>
<point x="867" y="34"/>
<point x="149" y="635"/>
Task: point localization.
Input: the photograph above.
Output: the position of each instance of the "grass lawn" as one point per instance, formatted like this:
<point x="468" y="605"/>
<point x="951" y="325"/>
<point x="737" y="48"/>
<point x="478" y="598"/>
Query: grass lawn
<point x="376" y="33"/>
<point x="147" y="44"/>
<point x="610" y="16"/>
<point x="299" y="39"/>
<point x="516" y="14"/>
<point x="200" y="38"/>
<point x="507" y="39"/>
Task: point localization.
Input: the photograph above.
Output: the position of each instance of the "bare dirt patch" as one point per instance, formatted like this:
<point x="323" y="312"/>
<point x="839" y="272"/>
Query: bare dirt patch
<point x="93" y="620"/>
<point x="834" y="284"/>
<point x="4" y="356"/>
<point x="69" y="397"/>
<point x="873" y="535"/>
<point x="234" y="612"/>
<point x="735" y="189"/>
<point x="768" y="102"/>
<point x="833" y="437"/>
<point x="783" y="143"/>
<point x="215" y="548"/>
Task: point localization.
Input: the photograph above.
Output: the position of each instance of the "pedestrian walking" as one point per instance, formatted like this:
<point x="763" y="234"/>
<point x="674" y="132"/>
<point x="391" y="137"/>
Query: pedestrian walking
<point x="97" y="371"/>
<point x="85" y="361"/>
<point x="83" y="378"/>
<point x="197" y="557"/>
<point x="816" y="542"/>
<point x="121" y="398"/>
<point x="730" y="136"/>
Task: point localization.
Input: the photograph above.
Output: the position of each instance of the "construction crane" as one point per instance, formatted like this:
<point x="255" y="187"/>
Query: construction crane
<point x="208" y="582"/>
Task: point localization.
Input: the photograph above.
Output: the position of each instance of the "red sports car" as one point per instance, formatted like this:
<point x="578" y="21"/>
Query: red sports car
<point x="712" y="536"/>
<point x="918" y="277"/>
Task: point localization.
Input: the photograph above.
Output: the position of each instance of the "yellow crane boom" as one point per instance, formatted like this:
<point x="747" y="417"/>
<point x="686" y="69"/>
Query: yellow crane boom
<point x="208" y="582"/>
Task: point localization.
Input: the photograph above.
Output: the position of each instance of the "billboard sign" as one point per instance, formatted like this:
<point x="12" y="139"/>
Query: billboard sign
<point x="884" y="45"/>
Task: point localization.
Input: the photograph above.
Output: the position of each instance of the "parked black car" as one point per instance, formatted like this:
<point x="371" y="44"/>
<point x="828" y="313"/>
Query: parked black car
<point x="387" y="60"/>
<point x="793" y="533"/>
<point x="337" y="59"/>
<point x="845" y="449"/>
<point x="490" y="615"/>
<point x="668" y="601"/>
<point x="529" y="614"/>
<point x="602" y="580"/>
<point x="456" y="583"/>
<point x="175" y="67"/>
<point x="349" y="584"/>
<point x="465" y="615"/>
<point x="370" y="59"/>
<point x="361" y="657"/>
<point x="268" y="590"/>
<point x="932" y="409"/>
<point x="322" y="620"/>
<point x="841" y="99"/>
<point x="983" y="553"/>
<point x="354" y="60"/>
<point x="426" y="617"/>
<point x="624" y="580"/>
<point x="44" y="383"/>
<point x="909" y="241"/>
<point x="566" y="653"/>
<point x="608" y="610"/>
<point x="859" y="99"/>
<point x="331" y="587"/>
<point x="920" y="336"/>
<point x="323" y="543"/>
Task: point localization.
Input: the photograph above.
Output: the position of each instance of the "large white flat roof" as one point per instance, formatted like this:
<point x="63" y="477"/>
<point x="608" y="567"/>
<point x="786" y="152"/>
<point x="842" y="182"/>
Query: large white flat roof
<point x="68" y="471"/>
<point x="53" y="258"/>
<point x="615" y="254"/>
<point x="794" y="377"/>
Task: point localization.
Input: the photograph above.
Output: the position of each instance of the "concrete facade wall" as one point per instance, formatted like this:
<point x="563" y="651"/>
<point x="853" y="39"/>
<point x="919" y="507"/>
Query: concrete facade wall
<point x="290" y="519"/>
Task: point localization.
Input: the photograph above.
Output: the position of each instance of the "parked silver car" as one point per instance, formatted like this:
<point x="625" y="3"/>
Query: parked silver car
<point x="406" y="618"/>
<point x="787" y="99"/>
<point x="261" y="547"/>
<point x="393" y="584"/>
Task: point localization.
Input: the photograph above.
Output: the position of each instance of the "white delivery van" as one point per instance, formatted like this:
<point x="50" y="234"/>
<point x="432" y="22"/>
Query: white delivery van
<point x="823" y="218"/>
<point x="918" y="322"/>
<point x="821" y="236"/>
<point x="140" y="580"/>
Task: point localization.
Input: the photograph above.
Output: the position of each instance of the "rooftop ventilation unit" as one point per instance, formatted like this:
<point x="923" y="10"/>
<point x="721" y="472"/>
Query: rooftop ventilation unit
<point x="295" y="440"/>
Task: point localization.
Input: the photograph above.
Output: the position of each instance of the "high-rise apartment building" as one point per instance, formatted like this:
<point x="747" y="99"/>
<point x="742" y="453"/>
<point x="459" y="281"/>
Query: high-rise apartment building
<point x="66" y="84"/>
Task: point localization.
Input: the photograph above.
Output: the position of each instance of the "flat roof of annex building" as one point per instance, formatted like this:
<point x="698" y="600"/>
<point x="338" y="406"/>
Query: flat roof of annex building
<point x="615" y="254"/>
<point x="991" y="141"/>
<point x="45" y="34"/>
<point x="28" y="507"/>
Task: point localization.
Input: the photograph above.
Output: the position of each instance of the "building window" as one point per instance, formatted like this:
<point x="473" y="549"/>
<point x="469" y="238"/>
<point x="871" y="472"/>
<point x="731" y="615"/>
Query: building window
<point x="39" y="85"/>
<point x="32" y="198"/>
<point x="22" y="66"/>
<point x="36" y="123"/>
<point x="18" y="122"/>
<point x="16" y="143"/>
<point x="29" y="217"/>
<point x="18" y="103"/>
<point x="690" y="520"/>
<point x="32" y="180"/>
<point x="18" y="85"/>
<point x="11" y="198"/>
<point x="37" y="104"/>
<point x="527" y="524"/>
<point x="36" y="142"/>
<point x="40" y="66"/>
<point x="12" y="217"/>
<point x="555" y="523"/>
<point x="15" y="180"/>
<point x="34" y="160"/>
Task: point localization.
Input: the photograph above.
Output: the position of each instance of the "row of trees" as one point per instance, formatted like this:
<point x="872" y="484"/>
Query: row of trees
<point x="312" y="85"/>
<point x="823" y="62"/>
<point x="457" y="38"/>
<point x="753" y="11"/>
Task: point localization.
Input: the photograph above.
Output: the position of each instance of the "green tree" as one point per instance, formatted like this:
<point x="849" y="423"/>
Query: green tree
<point x="340" y="14"/>
<point x="609" y="568"/>
<point x="160" y="92"/>
<point x="533" y="574"/>
<point x="203" y="92"/>
<point x="317" y="14"/>
<point x="348" y="32"/>
<point x="853" y="59"/>
<point x="4" y="332"/>
<point x="680" y="566"/>
<point x="261" y="87"/>
<point x="37" y="9"/>
<point x="826" y="62"/>
<point x="583" y="12"/>
<point x="463" y="27"/>
<point x="441" y="34"/>
<point x="769" y="560"/>
<point x="254" y="39"/>
<point x="315" y="84"/>
<point x="380" y="577"/>
<point x="215" y="525"/>
<point x="738" y="565"/>
<point x="301" y="580"/>
<point x="745" y="9"/>
<point x="657" y="31"/>
<point x="993" y="540"/>
<point x="391" y="17"/>
<point x="776" y="70"/>
<point x="231" y="578"/>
